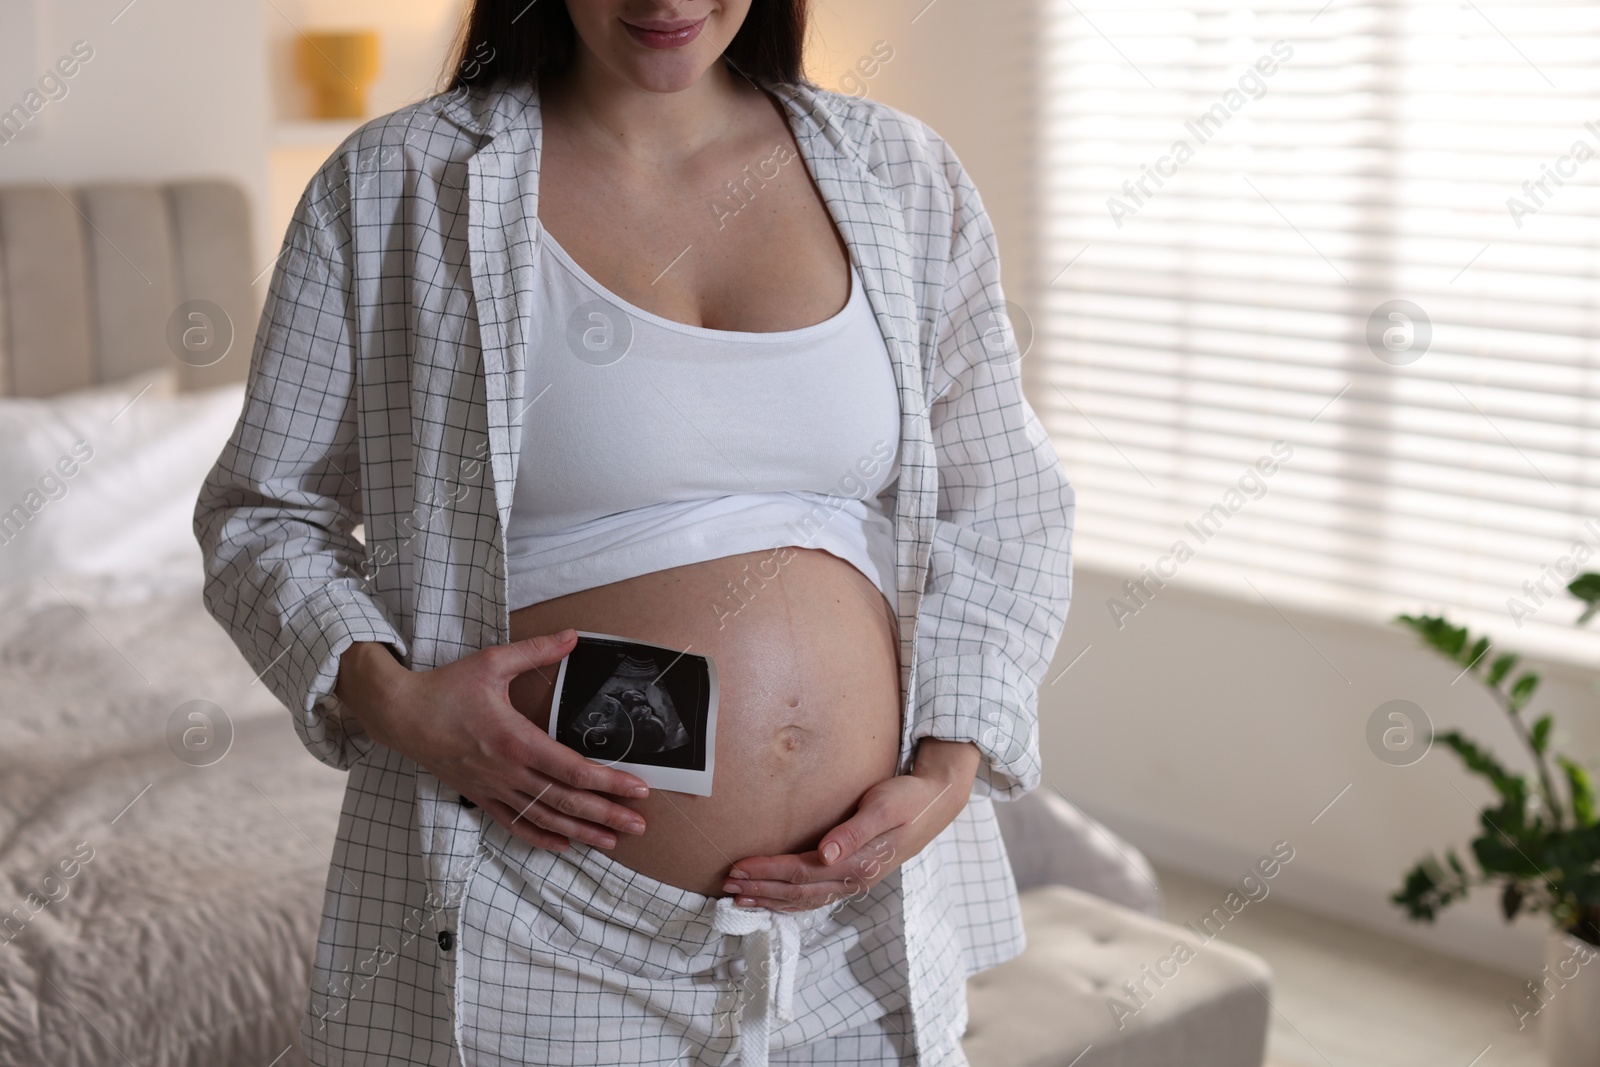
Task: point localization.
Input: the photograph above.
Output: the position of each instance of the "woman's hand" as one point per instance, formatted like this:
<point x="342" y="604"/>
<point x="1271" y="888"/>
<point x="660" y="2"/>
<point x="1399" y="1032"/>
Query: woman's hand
<point x="894" y="821"/>
<point x="458" y="723"/>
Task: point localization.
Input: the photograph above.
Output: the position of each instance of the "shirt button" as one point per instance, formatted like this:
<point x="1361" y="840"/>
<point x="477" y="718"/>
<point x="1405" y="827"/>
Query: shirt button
<point x="447" y="940"/>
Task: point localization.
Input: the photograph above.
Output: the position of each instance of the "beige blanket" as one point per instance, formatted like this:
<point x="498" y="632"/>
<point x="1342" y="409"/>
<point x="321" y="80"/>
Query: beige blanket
<point x="152" y="911"/>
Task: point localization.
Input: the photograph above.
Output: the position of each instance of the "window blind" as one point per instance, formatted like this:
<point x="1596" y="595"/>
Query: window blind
<point x="1320" y="293"/>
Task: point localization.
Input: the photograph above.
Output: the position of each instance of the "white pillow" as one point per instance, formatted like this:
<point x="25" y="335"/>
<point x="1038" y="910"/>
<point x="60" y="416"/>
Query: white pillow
<point x="103" y="481"/>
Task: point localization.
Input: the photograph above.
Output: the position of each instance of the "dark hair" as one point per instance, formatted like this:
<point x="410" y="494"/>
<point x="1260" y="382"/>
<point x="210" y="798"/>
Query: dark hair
<point x="517" y="40"/>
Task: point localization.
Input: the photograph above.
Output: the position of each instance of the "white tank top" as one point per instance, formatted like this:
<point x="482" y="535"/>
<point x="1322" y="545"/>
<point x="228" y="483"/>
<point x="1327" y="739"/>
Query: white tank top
<point x="648" y="443"/>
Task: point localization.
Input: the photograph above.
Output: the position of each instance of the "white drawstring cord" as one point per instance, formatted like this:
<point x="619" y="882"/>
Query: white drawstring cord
<point x="771" y="950"/>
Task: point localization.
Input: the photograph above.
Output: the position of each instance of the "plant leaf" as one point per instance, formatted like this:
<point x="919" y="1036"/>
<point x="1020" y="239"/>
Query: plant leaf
<point x="1428" y="886"/>
<point x="1540" y="734"/>
<point x="1511" y="900"/>
<point x="1449" y="639"/>
<point x="1586" y="587"/>
<point x="1509" y="849"/>
<point x="1569" y="863"/>
<point x="1522" y="691"/>
<point x="1582" y="789"/>
<point x="1512" y="788"/>
<point x="1470" y="657"/>
<point x="1437" y="632"/>
<point x="1501" y="667"/>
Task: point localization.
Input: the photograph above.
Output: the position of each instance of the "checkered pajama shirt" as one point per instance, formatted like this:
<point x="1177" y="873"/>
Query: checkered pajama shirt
<point x="386" y="388"/>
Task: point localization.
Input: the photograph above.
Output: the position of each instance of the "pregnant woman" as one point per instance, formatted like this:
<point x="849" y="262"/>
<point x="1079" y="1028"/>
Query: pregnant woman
<point x="635" y="330"/>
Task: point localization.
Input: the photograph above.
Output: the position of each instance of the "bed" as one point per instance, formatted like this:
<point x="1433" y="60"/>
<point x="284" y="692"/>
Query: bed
<point x="164" y="838"/>
<point x="182" y="932"/>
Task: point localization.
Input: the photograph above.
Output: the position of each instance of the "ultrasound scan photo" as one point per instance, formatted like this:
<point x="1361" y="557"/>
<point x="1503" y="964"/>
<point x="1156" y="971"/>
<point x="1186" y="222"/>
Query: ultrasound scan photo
<point x="644" y="708"/>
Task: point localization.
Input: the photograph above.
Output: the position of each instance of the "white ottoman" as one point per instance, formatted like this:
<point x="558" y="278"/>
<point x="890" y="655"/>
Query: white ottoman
<point x="1203" y="1006"/>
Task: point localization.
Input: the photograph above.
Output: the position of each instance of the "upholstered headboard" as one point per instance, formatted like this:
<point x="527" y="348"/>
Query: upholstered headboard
<point x="98" y="282"/>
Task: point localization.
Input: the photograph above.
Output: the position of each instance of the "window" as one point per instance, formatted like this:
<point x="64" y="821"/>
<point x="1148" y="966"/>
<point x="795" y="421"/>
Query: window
<point x="1321" y="292"/>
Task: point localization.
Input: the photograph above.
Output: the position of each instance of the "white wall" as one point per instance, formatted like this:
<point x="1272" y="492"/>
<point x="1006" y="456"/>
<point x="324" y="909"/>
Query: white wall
<point x="184" y="88"/>
<point x="967" y="69"/>
<point x="176" y="88"/>
<point x="1209" y="728"/>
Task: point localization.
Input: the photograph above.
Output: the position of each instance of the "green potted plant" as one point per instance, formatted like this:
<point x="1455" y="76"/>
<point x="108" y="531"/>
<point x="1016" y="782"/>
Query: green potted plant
<point x="1539" y="845"/>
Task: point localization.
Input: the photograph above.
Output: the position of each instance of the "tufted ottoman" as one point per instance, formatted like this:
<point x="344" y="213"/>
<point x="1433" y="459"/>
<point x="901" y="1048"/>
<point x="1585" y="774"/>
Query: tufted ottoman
<point x="1204" y="1005"/>
<point x="1090" y="906"/>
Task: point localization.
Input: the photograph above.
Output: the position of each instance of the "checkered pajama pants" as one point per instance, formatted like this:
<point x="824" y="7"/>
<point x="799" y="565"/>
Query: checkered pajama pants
<point x="572" y="958"/>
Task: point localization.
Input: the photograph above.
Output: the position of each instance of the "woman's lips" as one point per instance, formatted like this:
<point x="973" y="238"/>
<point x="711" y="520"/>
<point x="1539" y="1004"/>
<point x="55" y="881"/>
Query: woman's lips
<point x="666" y="38"/>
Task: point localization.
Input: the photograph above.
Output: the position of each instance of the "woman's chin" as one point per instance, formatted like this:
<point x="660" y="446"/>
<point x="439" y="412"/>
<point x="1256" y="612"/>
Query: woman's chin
<point x="660" y="71"/>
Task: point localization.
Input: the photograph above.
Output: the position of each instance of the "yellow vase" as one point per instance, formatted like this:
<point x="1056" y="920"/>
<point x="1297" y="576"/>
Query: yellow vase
<point x="338" y="68"/>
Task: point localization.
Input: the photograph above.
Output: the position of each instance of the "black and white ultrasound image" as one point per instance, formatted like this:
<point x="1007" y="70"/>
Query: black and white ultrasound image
<point x="624" y="702"/>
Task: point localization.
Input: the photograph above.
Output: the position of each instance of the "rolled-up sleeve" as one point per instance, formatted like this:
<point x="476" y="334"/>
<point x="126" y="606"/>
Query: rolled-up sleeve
<point x="999" y="577"/>
<point x="277" y="514"/>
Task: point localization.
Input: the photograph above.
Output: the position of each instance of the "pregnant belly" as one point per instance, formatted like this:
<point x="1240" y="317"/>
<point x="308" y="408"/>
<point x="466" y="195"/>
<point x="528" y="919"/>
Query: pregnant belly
<point x="808" y="714"/>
